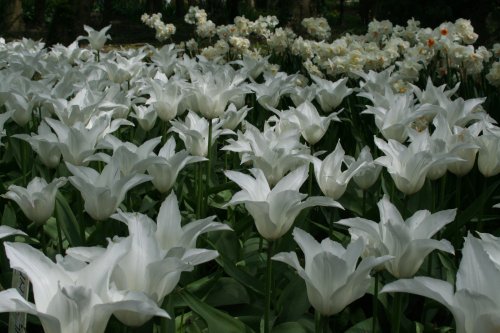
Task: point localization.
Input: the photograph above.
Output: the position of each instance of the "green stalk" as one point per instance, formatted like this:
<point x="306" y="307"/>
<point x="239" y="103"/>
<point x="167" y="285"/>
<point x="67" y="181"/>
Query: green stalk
<point x="396" y="313"/>
<point x="269" y="274"/>
<point x="209" y="167"/>
<point x="199" y="190"/>
<point x="59" y="237"/>
<point x="168" y="325"/>
<point x="375" y="304"/>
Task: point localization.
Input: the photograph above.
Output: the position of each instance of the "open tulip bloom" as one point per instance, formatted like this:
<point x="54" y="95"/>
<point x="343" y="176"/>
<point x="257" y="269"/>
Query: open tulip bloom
<point x="274" y="211"/>
<point x="70" y="295"/>
<point x="474" y="301"/>
<point x="409" y="242"/>
<point x="333" y="278"/>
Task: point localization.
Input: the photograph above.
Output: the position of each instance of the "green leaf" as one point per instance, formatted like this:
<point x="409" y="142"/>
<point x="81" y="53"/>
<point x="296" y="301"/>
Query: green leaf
<point x="241" y="276"/>
<point x="67" y="219"/>
<point x="289" y="327"/>
<point x="364" y="326"/>
<point x="217" y="321"/>
<point x="294" y="293"/>
<point x="227" y="291"/>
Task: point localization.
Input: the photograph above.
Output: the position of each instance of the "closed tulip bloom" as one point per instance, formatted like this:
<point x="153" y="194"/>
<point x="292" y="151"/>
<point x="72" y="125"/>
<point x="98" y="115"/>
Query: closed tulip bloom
<point x="488" y="160"/>
<point x="333" y="279"/>
<point x="408" y="241"/>
<point x="38" y="199"/>
<point x="368" y="174"/>
<point x="329" y="175"/>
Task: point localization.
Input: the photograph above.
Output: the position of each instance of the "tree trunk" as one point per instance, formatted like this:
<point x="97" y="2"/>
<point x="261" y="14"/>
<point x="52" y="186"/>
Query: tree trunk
<point x="83" y="9"/>
<point x="154" y="6"/>
<point x="39" y="13"/>
<point x="305" y="10"/>
<point x="180" y="10"/>
<point x="232" y="9"/>
<point x="14" y="21"/>
<point x="107" y="15"/>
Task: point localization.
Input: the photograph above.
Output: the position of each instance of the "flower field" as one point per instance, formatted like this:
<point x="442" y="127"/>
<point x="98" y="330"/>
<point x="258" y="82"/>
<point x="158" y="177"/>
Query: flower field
<point x="251" y="179"/>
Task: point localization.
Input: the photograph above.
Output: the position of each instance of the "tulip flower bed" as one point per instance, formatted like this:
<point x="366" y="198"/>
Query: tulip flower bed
<point x="306" y="185"/>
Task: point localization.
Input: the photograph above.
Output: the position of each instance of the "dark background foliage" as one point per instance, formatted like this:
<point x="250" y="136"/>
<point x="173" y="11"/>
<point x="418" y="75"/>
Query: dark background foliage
<point x="62" y="20"/>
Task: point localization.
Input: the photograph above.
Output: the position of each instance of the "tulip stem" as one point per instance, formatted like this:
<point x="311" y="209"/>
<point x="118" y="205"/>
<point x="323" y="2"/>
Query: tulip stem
<point x="199" y="190"/>
<point x="321" y="322"/>
<point x="59" y="237"/>
<point x="375" y="304"/>
<point x="396" y="313"/>
<point x="168" y="325"/>
<point x="269" y="272"/>
<point x="209" y="167"/>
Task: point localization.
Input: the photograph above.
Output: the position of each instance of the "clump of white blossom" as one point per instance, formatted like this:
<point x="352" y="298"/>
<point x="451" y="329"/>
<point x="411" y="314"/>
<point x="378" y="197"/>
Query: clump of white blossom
<point x="163" y="31"/>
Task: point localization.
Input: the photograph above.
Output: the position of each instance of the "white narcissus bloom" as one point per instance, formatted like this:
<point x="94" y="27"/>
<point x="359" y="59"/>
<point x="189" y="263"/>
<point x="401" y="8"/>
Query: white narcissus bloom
<point x="274" y="211"/>
<point x="168" y="165"/>
<point x="330" y="94"/>
<point x="38" y="199"/>
<point x="332" y="278"/>
<point x="332" y="180"/>
<point x="408" y="241"/>
<point x="97" y="39"/>
<point x="72" y="296"/>
<point x="474" y="301"/>
<point x="103" y="192"/>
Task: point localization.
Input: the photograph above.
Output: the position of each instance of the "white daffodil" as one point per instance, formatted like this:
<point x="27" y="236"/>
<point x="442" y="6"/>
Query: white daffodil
<point x="38" y="199"/>
<point x="332" y="180"/>
<point x="274" y="211"/>
<point x="72" y="296"/>
<point x="103" y="192"/>
<point x="333" y="279"/>
<point x="45" y="144"/>
<point x="168" y="165"/>
<point x="474" y="301"/>
<point x="97" y="39"/>
<point x="330" y="94"/>
<point x="408" y="241"/>
<point x="194" y="132"/>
